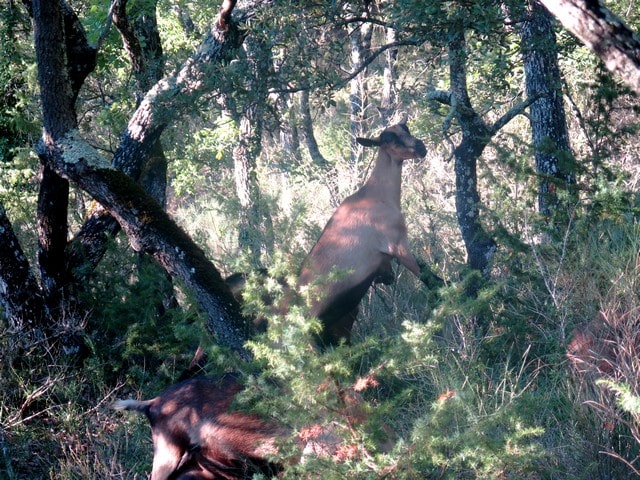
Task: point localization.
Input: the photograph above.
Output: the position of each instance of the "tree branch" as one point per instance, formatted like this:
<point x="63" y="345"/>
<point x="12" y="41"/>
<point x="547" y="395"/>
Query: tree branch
<point x="174" y="95"/>
<point x="352" y="74"/>
<point x="512" y="113"/>
<point x="440" y="96"/>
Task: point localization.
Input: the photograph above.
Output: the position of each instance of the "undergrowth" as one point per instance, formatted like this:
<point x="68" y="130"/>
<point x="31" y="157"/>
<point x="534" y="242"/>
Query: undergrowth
<point x="535" y="376"/>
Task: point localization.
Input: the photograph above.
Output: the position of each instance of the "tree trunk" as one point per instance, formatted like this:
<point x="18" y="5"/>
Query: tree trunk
<point x="549" y="131"/>
<point x="56" y="271"/>
<point x="20" y="298"/>
<point x="329" y="173"/>
<point x="141" y="40"/>
<point x="168" y="98"/>
<point x="475" y="136"/>
<point x="289" y="133"/>
<point x="185" y="19"/>
<point x="148" y="227"/>
<point x="604" y="33"/>
<point x="79" y="59"/>
<point x="255" y="228"/>
<point x="360" y="39"/>
<point x="389" y="101"/>
<point x="52" y="228"/>
<point x="151" y="231"/>
<point x="59" y="116"/>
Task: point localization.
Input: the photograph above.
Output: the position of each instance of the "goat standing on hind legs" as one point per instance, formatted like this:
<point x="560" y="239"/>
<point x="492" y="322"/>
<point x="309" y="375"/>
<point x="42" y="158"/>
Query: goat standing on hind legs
<point x="363" y="235"/>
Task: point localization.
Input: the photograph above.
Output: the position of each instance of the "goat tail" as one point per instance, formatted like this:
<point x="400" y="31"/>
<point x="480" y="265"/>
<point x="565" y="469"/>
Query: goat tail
<point x="136" y="405"/>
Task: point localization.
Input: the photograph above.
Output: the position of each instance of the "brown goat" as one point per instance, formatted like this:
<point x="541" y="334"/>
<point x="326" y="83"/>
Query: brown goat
<point x="365" y="232"/>
<point x="196" y="435"/>
<point x="607" y="347"/>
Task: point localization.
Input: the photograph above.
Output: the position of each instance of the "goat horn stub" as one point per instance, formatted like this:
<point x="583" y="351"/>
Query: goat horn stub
<point x="368" y="142"/>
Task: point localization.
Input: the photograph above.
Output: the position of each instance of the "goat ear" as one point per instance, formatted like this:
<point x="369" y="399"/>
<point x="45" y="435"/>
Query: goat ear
<point x="368" y="142"/>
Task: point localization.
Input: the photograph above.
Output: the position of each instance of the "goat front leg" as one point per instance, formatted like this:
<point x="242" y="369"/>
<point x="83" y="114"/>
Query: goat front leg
<point x="385" y="274"/>
<point x="167" y="457"/>
<point x="406" y="258"/>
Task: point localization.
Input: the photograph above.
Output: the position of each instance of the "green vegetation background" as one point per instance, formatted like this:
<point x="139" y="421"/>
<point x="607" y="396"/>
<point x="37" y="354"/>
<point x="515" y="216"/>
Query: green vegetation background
<point x="462" y="401"/>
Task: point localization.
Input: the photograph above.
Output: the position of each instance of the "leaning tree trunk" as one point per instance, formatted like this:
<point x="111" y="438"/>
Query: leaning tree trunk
<point x="172" y="96"/>
<point x="151" y="231"/>
<point x="475" y="137"/>
<point x="141" y="41"/>
<point x="604" y="33"/>
<point x="549" y="131"/>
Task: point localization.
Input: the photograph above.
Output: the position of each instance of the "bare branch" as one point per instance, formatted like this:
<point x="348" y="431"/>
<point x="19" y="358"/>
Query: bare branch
<point x="352" y="74"/>
<point x="107" y="26"/>
<point x="512" y="113"/>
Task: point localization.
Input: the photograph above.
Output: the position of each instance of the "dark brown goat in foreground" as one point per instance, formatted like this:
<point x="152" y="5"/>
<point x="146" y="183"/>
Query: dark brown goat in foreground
<point x="197" y="436"/>
<point x="363" y="235"/>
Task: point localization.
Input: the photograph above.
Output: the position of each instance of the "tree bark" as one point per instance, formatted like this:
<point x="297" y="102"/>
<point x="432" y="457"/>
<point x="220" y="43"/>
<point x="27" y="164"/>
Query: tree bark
<point x="317" y="158"/>
<point x="59" y="116"/>
<point x="360" y="39"/>
<point x="389" y="101"/>
<point x="52" y="229"/>
<point x="20" y="297"/>
<point x="141" y="41"/>
<point x="604" y="33"/>
<point x="150" y="230"/>
<point x="254" y="222"/>
<point x="475" y="137"/>
<point x="146" y="224"/>
<point x="255" y="228"/>
<point x="186" y="21"/>
<point x="549" y="131"/>
<point x="140" y="154"/>
<point x="79" y="58"/>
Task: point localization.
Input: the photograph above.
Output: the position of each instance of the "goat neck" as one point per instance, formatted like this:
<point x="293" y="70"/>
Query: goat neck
<point x="384" y="183"/>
